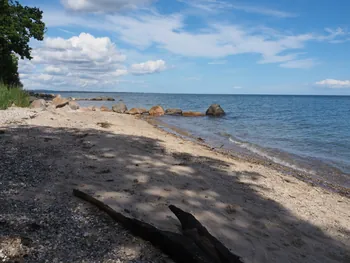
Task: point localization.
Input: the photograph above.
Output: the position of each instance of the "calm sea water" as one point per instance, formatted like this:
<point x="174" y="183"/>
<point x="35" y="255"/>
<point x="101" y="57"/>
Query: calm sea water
<point x="308" y="133"/>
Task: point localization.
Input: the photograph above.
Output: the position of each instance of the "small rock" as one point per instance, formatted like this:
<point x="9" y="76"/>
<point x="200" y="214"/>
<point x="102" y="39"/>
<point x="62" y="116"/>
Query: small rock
<point x="174" y="112"/>
<point x="105" y="109"/>
<point x="135" y="111"/>
<point x="192" y="114"/>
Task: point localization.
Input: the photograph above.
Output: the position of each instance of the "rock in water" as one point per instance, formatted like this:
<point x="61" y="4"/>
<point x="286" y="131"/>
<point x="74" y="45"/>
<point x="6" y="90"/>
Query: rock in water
<point x="176" y="112"/>
<point x="38" y="104"/>
<point x="215" y="110"/>
<point x="120" y="107"/>
<point x="192" y="114"/>
<point x="135" y="111"/>
<point x="73" y="105"/>
<point x="103" y="98"/>
<point x="156" y="111"/>
<point x="59" y="102"/>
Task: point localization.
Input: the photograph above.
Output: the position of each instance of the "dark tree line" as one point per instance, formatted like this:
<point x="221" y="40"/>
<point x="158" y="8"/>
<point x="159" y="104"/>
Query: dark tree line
<point x="18" y="24"/>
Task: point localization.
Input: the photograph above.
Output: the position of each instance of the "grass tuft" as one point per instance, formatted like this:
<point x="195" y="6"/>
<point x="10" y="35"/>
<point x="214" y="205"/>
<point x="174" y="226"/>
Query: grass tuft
<point x="12" y="95"/>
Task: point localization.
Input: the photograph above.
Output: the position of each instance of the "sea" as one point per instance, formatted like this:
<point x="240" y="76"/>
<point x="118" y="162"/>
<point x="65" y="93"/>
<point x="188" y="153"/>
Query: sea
<point x="309" y="134"/>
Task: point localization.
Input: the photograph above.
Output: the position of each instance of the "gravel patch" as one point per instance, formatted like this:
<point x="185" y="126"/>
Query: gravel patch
<point x="40" y="220"/>
<point x="15" y="115"/>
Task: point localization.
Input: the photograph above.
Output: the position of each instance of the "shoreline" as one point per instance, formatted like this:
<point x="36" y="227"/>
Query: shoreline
<point x="262" y="214"/>
<point x="301" y="175"/>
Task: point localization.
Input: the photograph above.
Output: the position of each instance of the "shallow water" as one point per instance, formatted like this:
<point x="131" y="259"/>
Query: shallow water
<point x="307" y="133"/>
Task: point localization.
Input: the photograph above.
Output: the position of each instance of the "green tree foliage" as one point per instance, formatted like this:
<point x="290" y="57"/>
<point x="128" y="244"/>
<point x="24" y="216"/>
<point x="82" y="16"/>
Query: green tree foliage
<point x="18" y="24"/>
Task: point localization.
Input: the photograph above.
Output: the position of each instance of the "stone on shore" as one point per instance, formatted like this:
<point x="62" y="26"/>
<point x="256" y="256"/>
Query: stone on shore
<point x="175" y="112"/>
<point x="135" y="111"/>
<point x="106" y="109"/>
<point x="73" y="105"/>
<point x="59" y="102"/>
<point x="38" y="104"/>
<point x="156" y="111"/>
<point x="192" y="114"/>
<point x="120" y="107"/>
<point x="215" y="110"/>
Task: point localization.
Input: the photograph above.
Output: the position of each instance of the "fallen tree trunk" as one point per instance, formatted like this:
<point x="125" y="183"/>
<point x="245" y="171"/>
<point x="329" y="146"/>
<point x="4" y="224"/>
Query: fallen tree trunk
<point x="190" y="247"/>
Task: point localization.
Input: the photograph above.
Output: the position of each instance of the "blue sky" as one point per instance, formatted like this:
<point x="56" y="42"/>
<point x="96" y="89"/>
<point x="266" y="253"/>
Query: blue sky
<point x="192" y="46"/>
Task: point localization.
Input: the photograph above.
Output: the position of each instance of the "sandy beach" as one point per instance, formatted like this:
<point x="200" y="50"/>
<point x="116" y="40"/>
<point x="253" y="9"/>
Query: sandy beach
<point x="258" y="212"/>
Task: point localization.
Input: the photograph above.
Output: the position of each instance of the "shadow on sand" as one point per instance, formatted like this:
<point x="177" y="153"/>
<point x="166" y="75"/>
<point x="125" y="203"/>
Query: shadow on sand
<point x="137" y="176"/>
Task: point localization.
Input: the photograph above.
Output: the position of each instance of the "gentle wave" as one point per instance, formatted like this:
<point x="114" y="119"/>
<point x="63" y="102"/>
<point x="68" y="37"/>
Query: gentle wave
<point x="262" y="153"/>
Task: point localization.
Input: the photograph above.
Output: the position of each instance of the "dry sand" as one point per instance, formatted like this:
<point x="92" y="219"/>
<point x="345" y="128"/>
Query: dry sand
<point x="259" y="213"/>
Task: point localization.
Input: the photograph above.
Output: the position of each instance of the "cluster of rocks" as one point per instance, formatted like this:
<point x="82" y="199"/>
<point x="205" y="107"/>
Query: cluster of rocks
<point x="120" y="107"/>
<point x="102" y="98"/>
<point x="56" y="102"/>
<point x="213" y="110"/>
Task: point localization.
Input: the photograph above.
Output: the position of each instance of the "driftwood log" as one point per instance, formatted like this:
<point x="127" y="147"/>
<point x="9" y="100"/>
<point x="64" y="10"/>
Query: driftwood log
<point x="196" y="245"/>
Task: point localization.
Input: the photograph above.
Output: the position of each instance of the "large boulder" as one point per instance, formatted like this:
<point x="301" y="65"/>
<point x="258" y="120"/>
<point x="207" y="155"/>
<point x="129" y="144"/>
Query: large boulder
<point x="120" y="107"/>
<point x="156" y="111"/>
<point x="192" y="114"/>
<point x="135" y="111"/>
<point x="176" y="112"/>
<point x="59" y="102"/>
<point x="215" y="110"/>
<point x="38" y="104"/>
<point x="73" y="105"/>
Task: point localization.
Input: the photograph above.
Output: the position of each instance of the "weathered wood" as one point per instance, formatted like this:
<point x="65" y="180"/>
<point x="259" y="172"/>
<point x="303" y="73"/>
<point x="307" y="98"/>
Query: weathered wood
<point x="180" y="248"/>
<point x="194" y="230"/>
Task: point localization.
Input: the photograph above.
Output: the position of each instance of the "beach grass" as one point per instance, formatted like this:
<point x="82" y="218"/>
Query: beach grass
<point x="12" y="95"/>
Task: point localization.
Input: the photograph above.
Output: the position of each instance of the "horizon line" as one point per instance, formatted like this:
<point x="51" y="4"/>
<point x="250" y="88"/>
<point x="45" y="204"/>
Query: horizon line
<point x="219" y="94"/>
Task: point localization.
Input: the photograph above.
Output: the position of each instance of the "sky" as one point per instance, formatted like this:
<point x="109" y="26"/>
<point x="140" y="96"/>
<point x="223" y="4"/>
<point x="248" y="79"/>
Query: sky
<point x="192" y="46"/>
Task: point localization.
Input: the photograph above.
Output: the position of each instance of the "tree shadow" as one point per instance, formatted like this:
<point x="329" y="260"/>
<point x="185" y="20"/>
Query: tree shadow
<point x="137" y="176"/>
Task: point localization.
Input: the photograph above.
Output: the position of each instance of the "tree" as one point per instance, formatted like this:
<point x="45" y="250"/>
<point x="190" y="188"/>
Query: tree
<point x="18" y="24"/>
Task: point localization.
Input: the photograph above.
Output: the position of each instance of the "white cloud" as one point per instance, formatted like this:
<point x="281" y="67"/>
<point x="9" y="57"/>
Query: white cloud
<point x="120" y="72"/>
<point x="79" y="61"/>
<point x="334" y="83"/>
<point x="237" y="87"/>
<point x="54" y="70"/>
<point x="104" y="5"/>
<point x="148" y="67"/>
<point x="66" y="31"/>
<point x="263" y="11"/>
<point x="219" y="40"/>
<point x="301" y="63"/>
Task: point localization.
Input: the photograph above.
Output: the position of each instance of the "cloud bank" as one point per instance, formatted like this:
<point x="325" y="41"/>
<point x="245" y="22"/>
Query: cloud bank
<point x="334" y="83"/>
<point x="80" y="61"/>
